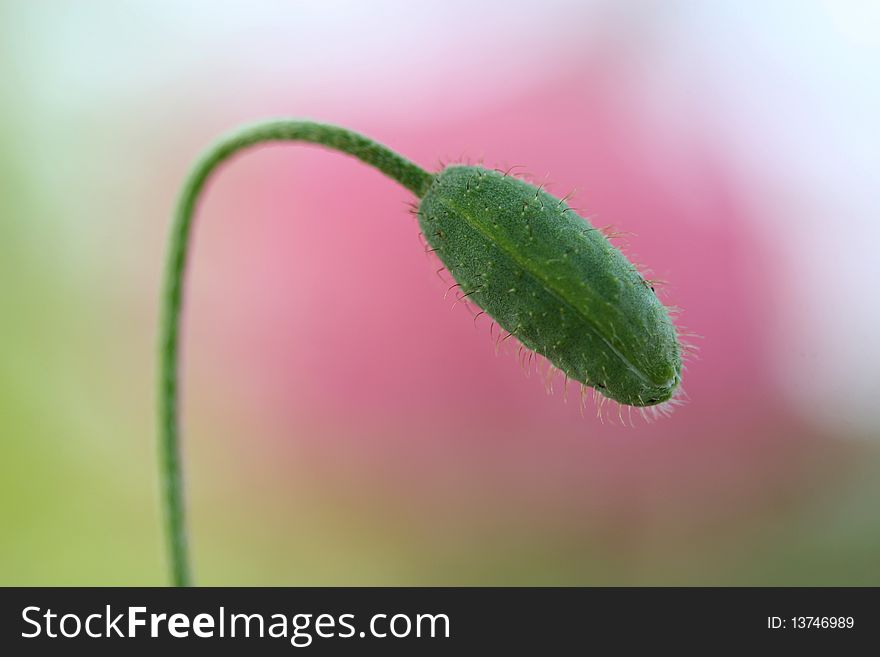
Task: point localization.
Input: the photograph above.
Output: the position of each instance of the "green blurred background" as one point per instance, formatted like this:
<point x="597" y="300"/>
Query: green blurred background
<point x="342" y="425"/>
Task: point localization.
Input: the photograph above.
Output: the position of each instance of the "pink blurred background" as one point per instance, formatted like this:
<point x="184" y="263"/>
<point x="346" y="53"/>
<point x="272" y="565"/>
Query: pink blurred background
<point x="344" y="423"/>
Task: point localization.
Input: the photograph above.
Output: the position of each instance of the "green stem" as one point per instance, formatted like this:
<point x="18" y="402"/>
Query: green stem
<point x="391" y="164"/>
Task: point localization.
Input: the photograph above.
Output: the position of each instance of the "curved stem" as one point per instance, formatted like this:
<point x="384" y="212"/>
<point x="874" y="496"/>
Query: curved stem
<point x="391" y="164"/>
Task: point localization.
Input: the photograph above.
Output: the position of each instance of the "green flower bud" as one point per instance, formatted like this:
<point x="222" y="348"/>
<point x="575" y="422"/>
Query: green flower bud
<point x="554" y="282"/>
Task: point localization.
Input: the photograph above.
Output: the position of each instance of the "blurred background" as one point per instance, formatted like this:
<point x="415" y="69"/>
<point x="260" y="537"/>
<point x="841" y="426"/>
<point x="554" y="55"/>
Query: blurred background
<point x="344" y="424"/>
